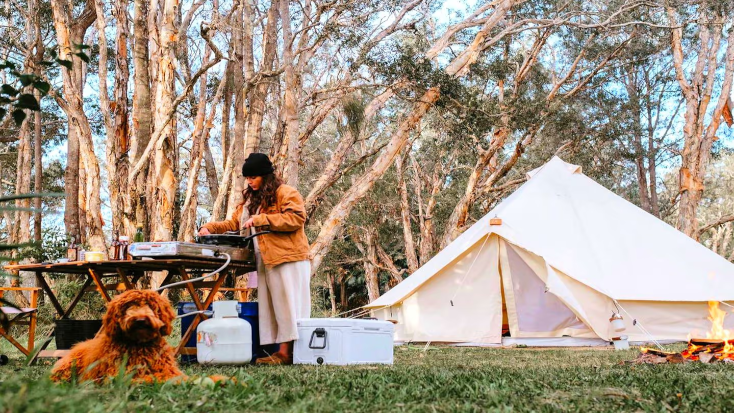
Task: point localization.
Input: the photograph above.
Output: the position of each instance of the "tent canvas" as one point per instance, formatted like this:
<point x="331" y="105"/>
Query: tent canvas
<point x="567" y="254"/>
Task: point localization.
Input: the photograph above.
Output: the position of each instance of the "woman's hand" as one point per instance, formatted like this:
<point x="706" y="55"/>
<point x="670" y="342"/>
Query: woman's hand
<point x="250" y="223"/>
<point x="204" y="231"/>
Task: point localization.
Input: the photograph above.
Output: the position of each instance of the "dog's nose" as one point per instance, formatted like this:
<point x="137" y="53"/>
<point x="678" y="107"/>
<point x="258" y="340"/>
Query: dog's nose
<point x="141" y="322"/>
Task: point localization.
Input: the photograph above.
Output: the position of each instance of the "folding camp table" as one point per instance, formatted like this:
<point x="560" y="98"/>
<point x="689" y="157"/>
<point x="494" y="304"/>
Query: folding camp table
<point x="128" y="272"/>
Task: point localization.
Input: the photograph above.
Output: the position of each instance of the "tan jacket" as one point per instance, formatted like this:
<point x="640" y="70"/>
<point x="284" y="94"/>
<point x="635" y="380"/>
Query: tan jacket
<point x="287" y="242"/>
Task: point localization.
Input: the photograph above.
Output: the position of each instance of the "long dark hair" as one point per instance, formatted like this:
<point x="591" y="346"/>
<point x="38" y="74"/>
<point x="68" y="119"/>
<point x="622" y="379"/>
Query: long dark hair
<point x="263" y="197"/>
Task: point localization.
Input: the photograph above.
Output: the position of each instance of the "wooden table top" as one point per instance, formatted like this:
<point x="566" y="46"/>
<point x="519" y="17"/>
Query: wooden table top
<point x="157" y="264"/>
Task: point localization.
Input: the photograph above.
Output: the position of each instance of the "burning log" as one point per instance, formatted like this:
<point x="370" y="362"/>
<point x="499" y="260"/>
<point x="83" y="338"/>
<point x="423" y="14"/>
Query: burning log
<point x="702" y="350"/>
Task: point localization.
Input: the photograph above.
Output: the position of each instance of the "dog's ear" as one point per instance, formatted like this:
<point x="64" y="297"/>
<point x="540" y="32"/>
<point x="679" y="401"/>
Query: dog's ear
<point x="163" y="309"/>
<point x="113" y="316"/>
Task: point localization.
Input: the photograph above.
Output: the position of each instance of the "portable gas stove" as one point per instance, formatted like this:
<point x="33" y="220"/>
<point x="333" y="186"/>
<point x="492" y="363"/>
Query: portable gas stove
<point x="238" y="247"/>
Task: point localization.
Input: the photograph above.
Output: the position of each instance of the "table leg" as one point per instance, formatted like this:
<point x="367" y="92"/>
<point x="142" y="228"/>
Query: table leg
<point x="166" y="281"/>
<point x="190" y="288"/>
<point x="100" y="286"/>
<point x="51" y="295"/>
<point x="136" y="277"/>
<point x="78" y="297"/>
<point x="45" y="344"/>
<point x="198" y="317"/>
<point x="125" y="279"/>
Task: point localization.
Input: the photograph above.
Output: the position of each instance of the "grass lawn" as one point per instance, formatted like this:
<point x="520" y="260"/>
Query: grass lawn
<point x="437" y="379"/>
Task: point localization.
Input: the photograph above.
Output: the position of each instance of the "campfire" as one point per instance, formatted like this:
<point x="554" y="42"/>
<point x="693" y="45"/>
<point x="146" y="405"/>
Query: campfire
<point x="717" y="347"/>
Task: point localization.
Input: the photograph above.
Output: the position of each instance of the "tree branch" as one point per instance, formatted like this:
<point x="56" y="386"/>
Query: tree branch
<point x="158" y="135"/>
<point x="721" y="221"/>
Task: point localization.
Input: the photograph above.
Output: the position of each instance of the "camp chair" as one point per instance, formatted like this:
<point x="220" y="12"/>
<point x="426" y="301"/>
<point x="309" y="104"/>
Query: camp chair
<point x="22" y="316"/>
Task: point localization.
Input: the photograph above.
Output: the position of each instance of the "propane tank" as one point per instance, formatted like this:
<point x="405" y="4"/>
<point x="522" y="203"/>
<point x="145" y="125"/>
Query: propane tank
<point x="225" y="338"/>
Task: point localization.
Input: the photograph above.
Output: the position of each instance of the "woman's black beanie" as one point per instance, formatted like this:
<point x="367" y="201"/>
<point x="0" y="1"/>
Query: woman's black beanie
<point x="257" y="164"/>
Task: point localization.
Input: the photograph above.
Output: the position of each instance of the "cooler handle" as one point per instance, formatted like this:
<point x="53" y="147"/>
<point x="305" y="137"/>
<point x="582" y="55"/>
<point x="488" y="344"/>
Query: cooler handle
<point x="320" y="333"/>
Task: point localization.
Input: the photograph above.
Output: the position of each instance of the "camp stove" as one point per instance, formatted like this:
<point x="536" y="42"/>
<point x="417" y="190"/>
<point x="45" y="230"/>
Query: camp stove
<point x="239" y="248"/>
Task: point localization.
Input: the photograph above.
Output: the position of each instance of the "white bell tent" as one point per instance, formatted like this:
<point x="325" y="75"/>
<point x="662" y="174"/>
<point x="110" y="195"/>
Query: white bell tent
<point x="567" y="255"/>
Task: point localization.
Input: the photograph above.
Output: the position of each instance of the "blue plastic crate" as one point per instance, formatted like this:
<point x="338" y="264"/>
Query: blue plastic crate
<point x="247" y="311"/>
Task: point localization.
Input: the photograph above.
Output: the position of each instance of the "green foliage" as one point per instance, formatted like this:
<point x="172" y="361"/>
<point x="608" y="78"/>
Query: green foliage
<point x="53" y="246"/>
<point x="12" y="100"/>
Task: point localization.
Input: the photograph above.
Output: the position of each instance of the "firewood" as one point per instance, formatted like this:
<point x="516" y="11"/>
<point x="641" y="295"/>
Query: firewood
<point x="707" y="358"/>
<point x="659" y="353"/>
<point x="677" y="358"/>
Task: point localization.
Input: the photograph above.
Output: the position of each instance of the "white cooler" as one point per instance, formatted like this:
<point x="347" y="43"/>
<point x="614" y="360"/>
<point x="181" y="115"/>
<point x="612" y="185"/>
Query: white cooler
<point x="343" y="341"/>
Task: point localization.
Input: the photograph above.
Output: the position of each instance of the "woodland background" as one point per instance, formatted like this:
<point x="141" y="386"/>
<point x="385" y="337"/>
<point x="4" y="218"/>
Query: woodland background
<point x="401" y="122"/>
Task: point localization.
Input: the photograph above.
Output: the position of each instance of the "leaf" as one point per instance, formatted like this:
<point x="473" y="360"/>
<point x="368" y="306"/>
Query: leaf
<point x="41" y="86"/>
<point x="46" y="63"/>
<point x="10" y="247"/>
<point x="3" y="112"/>
<point x="8" y="90"/>
<point x="18" y="116"/>
<point x="27" y="101"/>
<point x="4" y="100"/>
<point x="82" y="46"/>
<point x="53" y="53"/>
<point x="83" y="56"/>
<point x="66" y="63"/>
<point x="26" y="79"/>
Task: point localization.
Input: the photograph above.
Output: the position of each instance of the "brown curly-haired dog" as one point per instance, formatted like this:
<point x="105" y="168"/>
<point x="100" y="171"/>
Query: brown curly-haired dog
<point x="134" y="326"/>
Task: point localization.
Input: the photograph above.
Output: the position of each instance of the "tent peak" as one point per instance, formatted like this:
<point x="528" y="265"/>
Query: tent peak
<point x="554" y="163"/>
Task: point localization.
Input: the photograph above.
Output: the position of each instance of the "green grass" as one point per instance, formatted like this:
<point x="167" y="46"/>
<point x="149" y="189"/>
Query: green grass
<point x="438" y="379"/>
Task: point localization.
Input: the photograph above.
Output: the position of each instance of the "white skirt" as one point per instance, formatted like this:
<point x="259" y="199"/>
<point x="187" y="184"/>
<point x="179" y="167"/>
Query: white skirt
<point x="284" y="296"/>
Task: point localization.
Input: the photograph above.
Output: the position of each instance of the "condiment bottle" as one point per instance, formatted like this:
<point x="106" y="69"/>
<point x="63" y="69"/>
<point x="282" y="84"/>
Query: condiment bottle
<point x="72" y="251"/>
<point x="124" y="243"/>
<point x="115" y="248"/>
<point x="139" y="236"/>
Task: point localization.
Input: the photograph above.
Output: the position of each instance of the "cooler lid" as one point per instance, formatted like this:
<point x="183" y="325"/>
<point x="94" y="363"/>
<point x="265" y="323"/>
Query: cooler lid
<point x="343" y="322"/>
<point x="325" y="322"/>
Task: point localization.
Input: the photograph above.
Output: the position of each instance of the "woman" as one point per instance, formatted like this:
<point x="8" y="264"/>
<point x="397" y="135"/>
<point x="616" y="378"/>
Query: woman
<point x="284" y="271"/>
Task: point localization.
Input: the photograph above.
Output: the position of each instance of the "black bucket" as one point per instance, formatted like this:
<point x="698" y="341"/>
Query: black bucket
<point x="69" y="332"/>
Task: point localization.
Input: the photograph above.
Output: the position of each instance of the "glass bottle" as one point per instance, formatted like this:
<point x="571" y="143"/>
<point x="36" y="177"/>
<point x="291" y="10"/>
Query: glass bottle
<point x="124" y="243"/>
<point x="115" y="248"/>
<point x="139" y="236"/>
<point x="72" y="251"/>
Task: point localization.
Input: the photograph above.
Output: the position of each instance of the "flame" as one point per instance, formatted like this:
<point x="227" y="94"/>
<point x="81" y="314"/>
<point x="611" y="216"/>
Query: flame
<point x="718" y="332"/>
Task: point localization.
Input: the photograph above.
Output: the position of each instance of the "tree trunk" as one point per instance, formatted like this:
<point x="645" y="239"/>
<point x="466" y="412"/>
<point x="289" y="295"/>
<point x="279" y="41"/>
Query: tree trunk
<point x="136" y="205"/>
<point x="332" y="295"/>
<point x="259" y="92"/>
<point x="38" y="163"/>
<point x="366" y="245"/>
<point x="240" y="115"/>
<point x="188" y="211"/>
<point x="396" y="275"/>
<point x="460" y="215"/>
<point x="211" y="169"/>
<point x="73" y="106"/>
<point x="115" y="114"/>
<point x="199" y="147"/>
<point x="165" y="182"/>
<point x="228" y="142"/>
<point x="71" y="186"/>
<point x="290" y="100"/>
<point x="698" y="137"/>
<point x="410" y="253"/>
